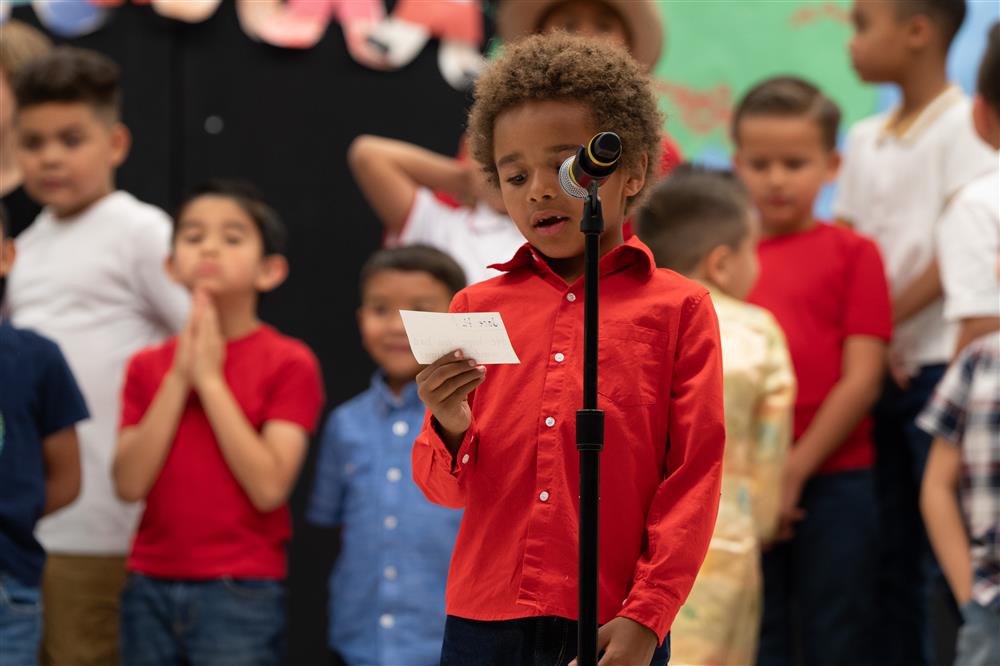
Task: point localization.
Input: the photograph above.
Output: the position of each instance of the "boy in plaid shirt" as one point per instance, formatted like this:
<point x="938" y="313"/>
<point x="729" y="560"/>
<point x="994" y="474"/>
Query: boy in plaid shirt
<point x="964" y="526"/>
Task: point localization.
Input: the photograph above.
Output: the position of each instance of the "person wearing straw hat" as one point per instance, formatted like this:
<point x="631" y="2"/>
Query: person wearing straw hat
<point x="635" y="24"/>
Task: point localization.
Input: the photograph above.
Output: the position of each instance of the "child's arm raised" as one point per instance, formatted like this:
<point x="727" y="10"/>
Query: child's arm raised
<point x="945" y="527"/>
<point x="62" y="468"/>
<point x="142" y="448"/>
<point x="390" y="172"/>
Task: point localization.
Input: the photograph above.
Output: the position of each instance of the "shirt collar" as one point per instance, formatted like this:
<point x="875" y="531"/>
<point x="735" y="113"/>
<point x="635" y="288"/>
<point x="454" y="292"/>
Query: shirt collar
<point x="944" y="101"/>
<point x="632" y="252"/>
<point x="408" y="397"/>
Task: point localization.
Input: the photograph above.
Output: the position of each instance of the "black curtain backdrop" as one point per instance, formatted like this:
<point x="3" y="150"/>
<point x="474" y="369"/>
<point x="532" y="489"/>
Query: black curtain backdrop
<point x="205" y="100"/>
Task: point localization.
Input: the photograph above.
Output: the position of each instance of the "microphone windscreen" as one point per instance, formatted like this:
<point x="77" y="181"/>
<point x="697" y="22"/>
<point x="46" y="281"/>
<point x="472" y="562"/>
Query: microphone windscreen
<point x="567" y="182"/>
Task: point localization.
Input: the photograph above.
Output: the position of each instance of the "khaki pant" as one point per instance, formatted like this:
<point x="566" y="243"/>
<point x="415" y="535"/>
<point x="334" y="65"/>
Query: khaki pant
<point x="80" y="597"/>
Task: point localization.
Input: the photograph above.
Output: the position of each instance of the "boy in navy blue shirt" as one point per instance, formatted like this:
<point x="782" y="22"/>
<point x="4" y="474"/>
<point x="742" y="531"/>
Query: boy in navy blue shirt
<point x="39" y="467"/>
<point x="387" y="587"/>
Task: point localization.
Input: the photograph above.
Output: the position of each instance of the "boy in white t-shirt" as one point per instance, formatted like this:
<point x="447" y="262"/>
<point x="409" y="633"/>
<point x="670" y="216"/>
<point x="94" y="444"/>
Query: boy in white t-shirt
<point x="399" y="179"/>
<point x="968" y="236"/>
<point x="91" y="278"/>
<point x="900" y="171"/>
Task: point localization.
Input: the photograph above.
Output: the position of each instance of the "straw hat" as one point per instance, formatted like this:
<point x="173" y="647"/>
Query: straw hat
<point x="519" y="18"/>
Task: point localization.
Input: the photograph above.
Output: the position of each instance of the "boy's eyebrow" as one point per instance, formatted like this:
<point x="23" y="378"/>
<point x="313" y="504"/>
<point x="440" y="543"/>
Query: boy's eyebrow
<point x="562" y="147"/>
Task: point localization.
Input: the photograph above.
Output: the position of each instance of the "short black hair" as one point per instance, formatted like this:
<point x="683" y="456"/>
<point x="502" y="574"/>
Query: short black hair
<point x="68" y="75"/>
<point x="989" y="70"/>
<point x="412" y="258"/>
<point x="692" y="212"/>
<point x="5" y="232"/>
<point x="789" y="96"/>
<point x="948" y="15"/>
<point x="273" y="234"/>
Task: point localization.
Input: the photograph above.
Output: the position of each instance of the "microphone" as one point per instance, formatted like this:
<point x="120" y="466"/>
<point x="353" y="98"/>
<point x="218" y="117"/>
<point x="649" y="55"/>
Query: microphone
<point x="593" y="162"/>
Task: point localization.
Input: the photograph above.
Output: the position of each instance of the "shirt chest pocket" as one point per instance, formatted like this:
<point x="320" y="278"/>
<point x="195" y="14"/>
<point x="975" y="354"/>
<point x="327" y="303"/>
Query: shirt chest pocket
<point x="630" y="363"/>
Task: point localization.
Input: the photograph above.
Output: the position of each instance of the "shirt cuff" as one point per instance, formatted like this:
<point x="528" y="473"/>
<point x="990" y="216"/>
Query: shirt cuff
<point x="652" y="607"/>
<point x="465" y="456"/>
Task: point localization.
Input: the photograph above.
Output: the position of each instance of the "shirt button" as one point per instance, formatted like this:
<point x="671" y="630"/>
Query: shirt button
<point x="560" y="357"/>
<point x="550" y="421"/>
<point x="544" y="496"/>
<point x="390" y="572"/>
<point x="390" y="522"/>
<point x="465" y="458"/>
<point x="571" y="297"/>
<point x="387" y="621"/>
<point x="394" y="475"/>
<point x="400" y="428"/>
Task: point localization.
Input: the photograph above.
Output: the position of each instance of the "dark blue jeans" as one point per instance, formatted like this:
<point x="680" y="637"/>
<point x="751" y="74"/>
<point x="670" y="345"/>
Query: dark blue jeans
<point x="223" y="622"/>
<point x="20" y="623"/>
<point x="533" y="641"/>
<point x="920" y="618"/>
<point x="819" y="592"/>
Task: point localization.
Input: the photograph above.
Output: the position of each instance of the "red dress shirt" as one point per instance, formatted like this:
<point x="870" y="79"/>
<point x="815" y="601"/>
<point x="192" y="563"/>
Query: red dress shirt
<point x="516" y="472"/>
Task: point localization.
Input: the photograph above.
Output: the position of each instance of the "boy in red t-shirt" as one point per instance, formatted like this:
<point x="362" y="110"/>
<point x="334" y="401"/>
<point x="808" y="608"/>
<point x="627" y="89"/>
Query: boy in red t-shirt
<point x="826" y="287"/>
<point x="501" y="443"/>
<point x="215" y="425"/>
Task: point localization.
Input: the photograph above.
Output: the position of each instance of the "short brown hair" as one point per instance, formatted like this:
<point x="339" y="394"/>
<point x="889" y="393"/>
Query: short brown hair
<point x="569" y="68"/>
<point x="414" y="258"/>
<point x="19" y="45"/>
<point x="989" y="70"/>
<point x="692" y="212"/>
<point x="947" y="15"/>
<point x="789" y="96"/>
<point x="273" y="233"/>
<point x="68" y="75"/>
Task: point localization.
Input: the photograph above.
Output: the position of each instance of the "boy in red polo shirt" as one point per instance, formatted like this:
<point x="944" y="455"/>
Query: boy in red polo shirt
<point x="501" y="443"/>
<point x="826" y="287"/>
<point x="215" y="425"/>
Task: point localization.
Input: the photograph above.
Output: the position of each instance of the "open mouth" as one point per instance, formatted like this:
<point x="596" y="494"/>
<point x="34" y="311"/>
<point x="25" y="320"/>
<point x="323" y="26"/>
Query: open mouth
<point x="550" y="221"/>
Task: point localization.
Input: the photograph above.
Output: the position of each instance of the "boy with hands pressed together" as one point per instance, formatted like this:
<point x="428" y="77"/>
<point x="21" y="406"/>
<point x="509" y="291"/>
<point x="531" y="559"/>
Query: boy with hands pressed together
<point x="215" y="426"/>
<point x="501" y="443"/>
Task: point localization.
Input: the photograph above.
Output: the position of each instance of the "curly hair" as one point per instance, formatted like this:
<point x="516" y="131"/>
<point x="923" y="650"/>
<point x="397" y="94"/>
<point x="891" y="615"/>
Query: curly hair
<point x="566" y="68"/>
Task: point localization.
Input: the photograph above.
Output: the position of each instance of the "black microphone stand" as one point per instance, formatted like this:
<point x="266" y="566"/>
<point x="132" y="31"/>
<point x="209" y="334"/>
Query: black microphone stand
<point x="589" y="435"/>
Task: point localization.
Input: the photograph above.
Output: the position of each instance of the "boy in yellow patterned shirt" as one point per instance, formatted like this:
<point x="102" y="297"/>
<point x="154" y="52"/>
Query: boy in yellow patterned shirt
<point x="699" y="223"/>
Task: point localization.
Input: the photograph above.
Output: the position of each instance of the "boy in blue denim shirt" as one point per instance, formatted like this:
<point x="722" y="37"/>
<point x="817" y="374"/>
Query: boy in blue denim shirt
<point x="387" y="587"/>
<point x="40" y="405"/>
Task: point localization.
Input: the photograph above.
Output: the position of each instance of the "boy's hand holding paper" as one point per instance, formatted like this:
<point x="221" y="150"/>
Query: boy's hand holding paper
<point x="479" y="335"/>
<point x="455" y="347"/>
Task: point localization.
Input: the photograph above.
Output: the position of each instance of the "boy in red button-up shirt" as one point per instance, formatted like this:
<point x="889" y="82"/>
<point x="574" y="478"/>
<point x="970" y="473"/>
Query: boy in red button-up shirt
<point x="502" y="444"/>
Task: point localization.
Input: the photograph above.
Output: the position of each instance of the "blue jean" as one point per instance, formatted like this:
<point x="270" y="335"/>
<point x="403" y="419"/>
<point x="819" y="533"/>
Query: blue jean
<point x="920" y="616"/>
<point x="220" y="622"/>
<point x="532" y="641"/>
<point x="819" y="593"/>
<point x="20" y="623"/>
<point x="979" y="637"/>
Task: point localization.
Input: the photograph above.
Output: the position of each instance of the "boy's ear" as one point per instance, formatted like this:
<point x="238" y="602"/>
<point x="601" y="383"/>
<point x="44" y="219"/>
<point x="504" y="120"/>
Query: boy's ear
<point x="920" y="31"/>
<point x="273" y="271"/>
<point x="714" y="267"/>
<point x="170" y="266"/>
<point x="7" y="253"/>
<point x="637" y="177"/>
<point x="121" y="144"/>
<point x="986" y="121"/>
<point x="833" y="161"/>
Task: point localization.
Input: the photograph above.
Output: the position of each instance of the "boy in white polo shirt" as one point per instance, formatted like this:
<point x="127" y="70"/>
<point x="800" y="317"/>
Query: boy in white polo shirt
<point x="968" y="236"/>
<point x="900" y="171"/>
<point x="91" y="278"/>
<point x="398" y="179"/>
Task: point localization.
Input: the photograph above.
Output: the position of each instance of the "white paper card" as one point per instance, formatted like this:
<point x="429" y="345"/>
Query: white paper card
<point x="480" y="335"/>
